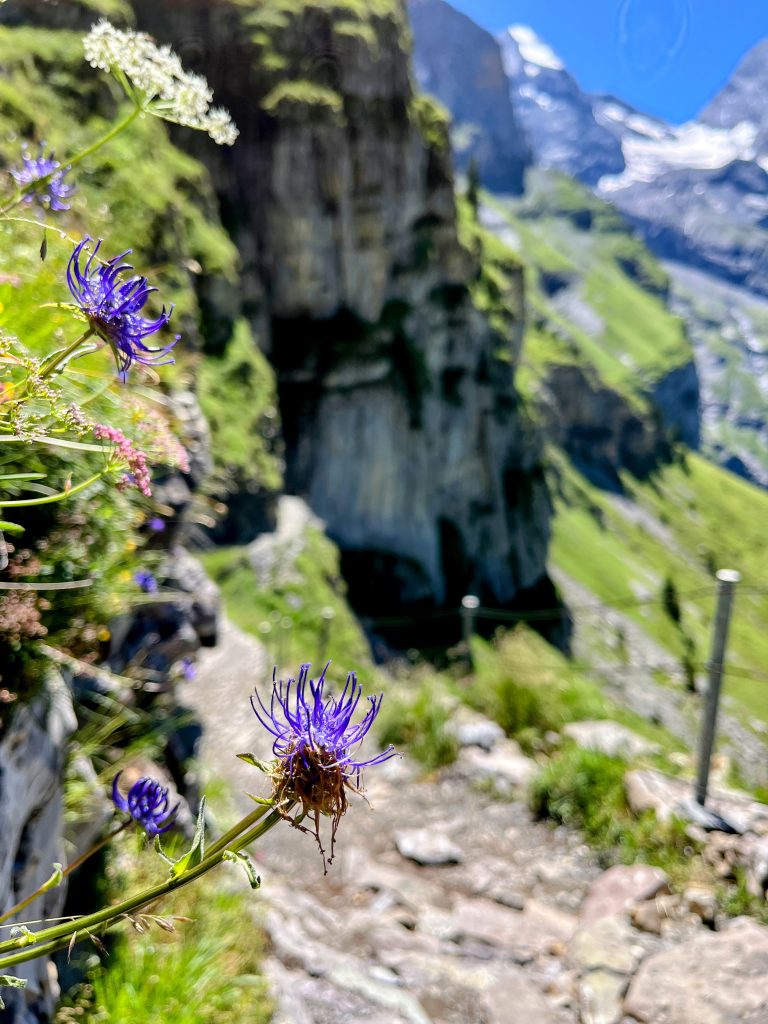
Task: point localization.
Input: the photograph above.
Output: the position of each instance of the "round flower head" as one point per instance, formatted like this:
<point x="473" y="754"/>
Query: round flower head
<point x="113" y="307"/>
<point x="147" y="804"/>
<point x="154" y="78"/>
<point x="317" y="744"/>
<point x="145" y="581"/>
<point x="43" y="179"/>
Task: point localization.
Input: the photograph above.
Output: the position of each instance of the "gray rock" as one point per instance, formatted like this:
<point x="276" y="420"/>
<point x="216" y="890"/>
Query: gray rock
<point x="460" y="63"/>
<point x="522" y="935"/>
<point x="673" y="797"/>
<point x="609" y="738"/>
<point x="600" y="997"/>
<point x="609" y="943"/>
<point x="32" y="757"/>
<point x="715" y="978"/>
<point x="621" y="886"/>
<point x="477" y="731"/>
<point x="428" y="847"/>
<point x="506" y="766"/>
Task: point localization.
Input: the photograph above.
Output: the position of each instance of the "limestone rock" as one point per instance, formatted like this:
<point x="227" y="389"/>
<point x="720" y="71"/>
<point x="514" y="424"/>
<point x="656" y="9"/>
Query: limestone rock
<point x="523" y="935"/>
<point x="428" y="847"/>
<point x="600" y="997"/>
<point x="609" y="738"/>
<point x="715" y="978"/>
<point x="32" y="757"/>
<point x="506" y="766"/>
<point x="618" y="888"/>
<point x="473" y="730"/>
<point x="609" y="944"/>
<point x="672" y="797"/>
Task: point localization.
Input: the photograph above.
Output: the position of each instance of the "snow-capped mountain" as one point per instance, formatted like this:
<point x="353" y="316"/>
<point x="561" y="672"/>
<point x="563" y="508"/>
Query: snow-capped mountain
<point x="558" y="117"/>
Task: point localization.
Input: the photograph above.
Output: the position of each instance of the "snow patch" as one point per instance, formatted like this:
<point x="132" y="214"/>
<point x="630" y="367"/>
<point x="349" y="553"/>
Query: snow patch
<point x="692" y="146"/>
<point x="533" y="50"/>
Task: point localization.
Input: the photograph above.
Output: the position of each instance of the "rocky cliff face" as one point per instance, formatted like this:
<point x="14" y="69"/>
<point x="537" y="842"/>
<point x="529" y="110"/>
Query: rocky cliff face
<point x="461" y="64"/>
<point x="401" y="420"/>
<point x="32" y="757"/>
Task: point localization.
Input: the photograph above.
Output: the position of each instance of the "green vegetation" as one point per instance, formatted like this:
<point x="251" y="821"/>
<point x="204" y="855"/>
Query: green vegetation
<point x="432" y="120"/>
<point x="615" y="323"/>
<point x="238" y="396"/>
<point x="701" y="519"/>
<point x="206" y="971"/>
<point x="299" y="99"/>
<point x="530" y="688"/>
<point x="417" y="718"/>
<point x="297" y="607"/>
<point x="584" y="789"/>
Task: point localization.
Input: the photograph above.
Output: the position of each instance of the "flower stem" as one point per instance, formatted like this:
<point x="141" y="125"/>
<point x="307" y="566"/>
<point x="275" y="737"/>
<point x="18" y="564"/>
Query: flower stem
<point x="55" y="361"/>
<point x="51" y="499"/>
<point x="23" y="904"/>
<point x="48" y="940"/>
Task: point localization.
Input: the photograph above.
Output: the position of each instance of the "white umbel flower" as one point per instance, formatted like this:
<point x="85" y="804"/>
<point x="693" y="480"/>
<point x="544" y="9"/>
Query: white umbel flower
<point x="154" y="77"/>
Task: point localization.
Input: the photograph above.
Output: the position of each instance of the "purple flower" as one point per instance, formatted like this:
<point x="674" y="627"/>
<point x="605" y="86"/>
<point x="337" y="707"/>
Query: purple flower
<point x="156" y="524"/>
<point x="52" y="192"/>
<point x="314" y="728"/>
<point x="147" y="804"/>
<point x="113" y="307"/>
<point x="188" y="669"/>
<point x="317" y="744"/>
<point x="146" y="581"/>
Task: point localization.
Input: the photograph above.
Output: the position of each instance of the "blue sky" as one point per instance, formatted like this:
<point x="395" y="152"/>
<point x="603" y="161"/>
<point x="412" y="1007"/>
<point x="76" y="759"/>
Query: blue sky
<point x="666" y="57"/>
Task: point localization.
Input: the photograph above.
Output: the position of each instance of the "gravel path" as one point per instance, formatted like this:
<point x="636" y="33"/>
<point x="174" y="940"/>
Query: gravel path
<point x="444" y="905"/>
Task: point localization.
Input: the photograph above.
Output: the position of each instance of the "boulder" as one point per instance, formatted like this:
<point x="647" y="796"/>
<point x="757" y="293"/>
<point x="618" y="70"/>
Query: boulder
<point x="714" y="978"/>
<point x="609" y="738"/>
<point x="619" y="888"/>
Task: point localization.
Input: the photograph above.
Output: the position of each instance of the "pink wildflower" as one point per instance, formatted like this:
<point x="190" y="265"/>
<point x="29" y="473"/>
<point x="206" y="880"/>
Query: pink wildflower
<point x="125" y="452"/>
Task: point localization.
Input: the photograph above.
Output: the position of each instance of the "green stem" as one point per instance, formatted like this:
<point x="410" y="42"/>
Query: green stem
<point x="51" y="499"/>
<point x="111" y="134"/>
<point x="55" y="442"/>
<point x="48" y="367"/>
<point x="48" y="940"/>
<point x="23" y="904"/>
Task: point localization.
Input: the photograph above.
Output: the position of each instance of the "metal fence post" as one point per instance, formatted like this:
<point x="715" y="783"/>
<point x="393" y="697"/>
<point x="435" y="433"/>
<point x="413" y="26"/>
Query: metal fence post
<point x="469" y="606"/>
<point x="726" y="582"/>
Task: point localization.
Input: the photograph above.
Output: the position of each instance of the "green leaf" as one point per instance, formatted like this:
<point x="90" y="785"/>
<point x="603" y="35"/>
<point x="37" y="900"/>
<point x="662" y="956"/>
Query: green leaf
<point x="22" y="476"/>
<point x="159" y="849"/>
<point x="55" y="880"/>
<point x="260" y="800"/>
<point x="247" y="865"/>
<point x="196" y="852"/>
<point x="263" y="766"/>
<point x="23" y="936"/>
<point x="8" y="981"/>
<point x="7" y="527"/>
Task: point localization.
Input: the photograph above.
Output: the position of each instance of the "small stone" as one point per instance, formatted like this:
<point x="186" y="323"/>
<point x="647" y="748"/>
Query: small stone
<point x="479" y="732"/>
<point x="701" y="902"/>
<point x="600" y="997"/>
<point x="506" y="766"/>
<point x="647" y="917"/>
<point x="609" y="738"/>
<point x="428" y="847"/>
<point x="608" y="943"/>
<point x="621" y="886"/>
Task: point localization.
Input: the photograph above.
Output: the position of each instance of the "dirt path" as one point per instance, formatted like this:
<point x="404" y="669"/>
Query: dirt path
<point x="443" y="906"/>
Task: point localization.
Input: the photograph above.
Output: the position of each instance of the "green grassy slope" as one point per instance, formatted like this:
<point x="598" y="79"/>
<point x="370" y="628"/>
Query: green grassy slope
<point x="595" y="294"/>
